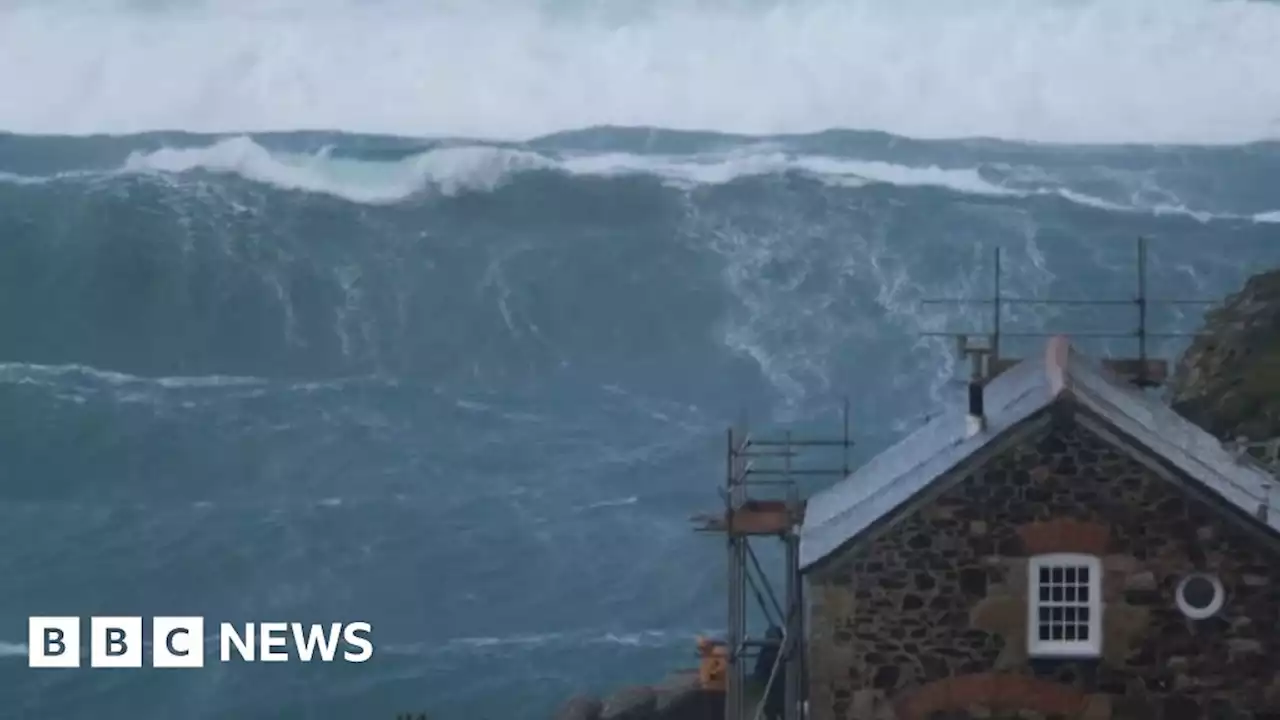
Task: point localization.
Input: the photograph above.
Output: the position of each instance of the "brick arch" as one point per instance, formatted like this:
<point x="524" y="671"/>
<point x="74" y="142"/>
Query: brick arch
<point x="1064" y="535"/>
<point x="994" y="691"/>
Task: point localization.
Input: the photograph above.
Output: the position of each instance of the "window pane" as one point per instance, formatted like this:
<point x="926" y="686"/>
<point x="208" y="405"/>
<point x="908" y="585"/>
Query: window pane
<point x="1084" y="576"/>
<point x="1057" y="575"/>
<point x="1070" y="576"/>
<point x="1044" y="575"/>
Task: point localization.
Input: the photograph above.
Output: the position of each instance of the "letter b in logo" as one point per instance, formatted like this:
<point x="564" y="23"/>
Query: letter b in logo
<point x="53" y="642"/>
<point x="177" y="642"/>
<point x="115" y="642"/>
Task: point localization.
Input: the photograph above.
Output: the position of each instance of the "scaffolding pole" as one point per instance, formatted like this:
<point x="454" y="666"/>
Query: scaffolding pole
<point x="772" y="509"/>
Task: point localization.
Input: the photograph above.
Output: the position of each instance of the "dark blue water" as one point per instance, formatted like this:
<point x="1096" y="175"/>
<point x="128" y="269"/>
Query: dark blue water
<point x="471" y="393"/>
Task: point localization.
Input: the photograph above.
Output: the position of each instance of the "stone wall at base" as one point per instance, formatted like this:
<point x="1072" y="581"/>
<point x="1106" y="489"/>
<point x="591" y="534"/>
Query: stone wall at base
<point x="677" y="698"/>
<point x="929" y="619"/>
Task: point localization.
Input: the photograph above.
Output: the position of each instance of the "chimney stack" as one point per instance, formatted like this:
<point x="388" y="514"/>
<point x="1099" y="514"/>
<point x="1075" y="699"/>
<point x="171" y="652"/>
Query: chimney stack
<point x="976" y="420"/>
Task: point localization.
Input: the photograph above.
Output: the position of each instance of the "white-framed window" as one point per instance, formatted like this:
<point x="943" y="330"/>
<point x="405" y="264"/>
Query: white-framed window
<point x="1064" y="603"/>
<point x="1200" y="596"/>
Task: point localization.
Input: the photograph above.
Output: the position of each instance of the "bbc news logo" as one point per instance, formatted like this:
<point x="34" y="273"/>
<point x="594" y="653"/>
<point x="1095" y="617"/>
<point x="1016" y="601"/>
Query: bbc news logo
<point x="178" y="642"/>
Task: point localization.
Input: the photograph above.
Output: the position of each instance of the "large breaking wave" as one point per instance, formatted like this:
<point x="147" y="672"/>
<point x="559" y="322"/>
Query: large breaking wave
<point x="334" y="254"/>
<point x="1145" y="71"/>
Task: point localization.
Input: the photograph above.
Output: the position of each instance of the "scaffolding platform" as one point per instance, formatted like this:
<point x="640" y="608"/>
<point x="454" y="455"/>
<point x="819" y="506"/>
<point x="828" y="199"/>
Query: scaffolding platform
<point x="755" y="517"/>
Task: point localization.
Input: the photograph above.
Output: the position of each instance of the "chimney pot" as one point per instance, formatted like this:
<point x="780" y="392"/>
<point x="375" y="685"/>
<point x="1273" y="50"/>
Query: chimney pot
<point x="975" y="399"/>
<point x="976" y="422"/>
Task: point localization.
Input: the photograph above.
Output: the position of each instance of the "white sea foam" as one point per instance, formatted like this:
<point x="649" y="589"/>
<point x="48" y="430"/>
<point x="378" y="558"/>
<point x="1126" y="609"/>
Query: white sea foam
<point x="613" y="503"/>
<point x="469" y="168"/>
<point x="634" y="638"/>
<point x="448" y="170"/>
<point x="483" y="168"/>
<point x="1052" y="70"/>
<point x="48" y="374"/>
<point x="12" y="649"/>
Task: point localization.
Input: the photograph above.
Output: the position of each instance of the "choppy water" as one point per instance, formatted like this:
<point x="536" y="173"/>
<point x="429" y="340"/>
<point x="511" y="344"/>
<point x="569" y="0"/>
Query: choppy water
<point x="470" y="391"/>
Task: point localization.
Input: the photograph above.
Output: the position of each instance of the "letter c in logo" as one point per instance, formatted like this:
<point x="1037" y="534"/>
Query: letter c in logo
<point x="168" y="642"/>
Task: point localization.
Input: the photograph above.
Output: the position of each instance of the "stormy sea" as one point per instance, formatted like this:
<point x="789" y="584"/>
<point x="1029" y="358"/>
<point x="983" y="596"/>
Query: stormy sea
<point x="434" y="315"/>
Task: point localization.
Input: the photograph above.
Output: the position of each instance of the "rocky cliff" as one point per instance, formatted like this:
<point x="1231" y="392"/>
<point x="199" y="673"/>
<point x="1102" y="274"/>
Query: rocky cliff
<point x="1228" y="380"/>
<point x="679" y="697"/>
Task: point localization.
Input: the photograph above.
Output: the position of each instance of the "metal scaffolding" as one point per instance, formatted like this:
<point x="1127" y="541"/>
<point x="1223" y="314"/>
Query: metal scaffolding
<point x="989" y="360"/>
<point x="767" y="466"/>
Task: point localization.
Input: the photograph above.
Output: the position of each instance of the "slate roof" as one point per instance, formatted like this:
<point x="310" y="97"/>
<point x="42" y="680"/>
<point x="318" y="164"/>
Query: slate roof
<point x="839" y="514"/>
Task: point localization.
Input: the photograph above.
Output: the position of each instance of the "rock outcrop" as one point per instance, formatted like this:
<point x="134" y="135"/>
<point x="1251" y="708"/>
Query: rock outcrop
<point x="581" y="707"/>
<point x="678" y="698"/>
<point x="1228" y="380"/>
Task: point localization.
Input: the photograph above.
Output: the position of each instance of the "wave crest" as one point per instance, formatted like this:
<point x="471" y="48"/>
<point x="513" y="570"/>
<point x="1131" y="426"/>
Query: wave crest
<point x="467" y="168"/>
<point x="450" y="170"/>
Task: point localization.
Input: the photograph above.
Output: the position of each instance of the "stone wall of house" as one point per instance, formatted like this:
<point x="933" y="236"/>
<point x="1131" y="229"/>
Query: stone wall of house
<point x="928" y="620"/>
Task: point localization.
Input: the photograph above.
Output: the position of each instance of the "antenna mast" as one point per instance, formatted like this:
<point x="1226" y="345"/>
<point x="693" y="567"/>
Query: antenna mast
<point x="987" y="355"/>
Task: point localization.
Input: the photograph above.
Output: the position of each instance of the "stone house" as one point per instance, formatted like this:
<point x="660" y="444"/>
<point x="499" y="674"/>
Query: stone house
<point x="1064" y="547"/>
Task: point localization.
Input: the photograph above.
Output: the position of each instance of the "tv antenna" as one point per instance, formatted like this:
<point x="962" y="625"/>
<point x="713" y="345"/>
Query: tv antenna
<point x="988" y="359"/>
